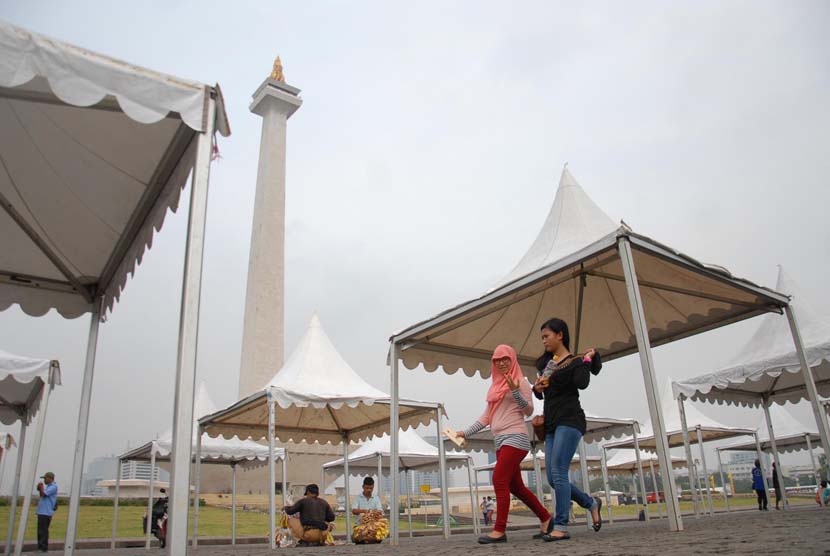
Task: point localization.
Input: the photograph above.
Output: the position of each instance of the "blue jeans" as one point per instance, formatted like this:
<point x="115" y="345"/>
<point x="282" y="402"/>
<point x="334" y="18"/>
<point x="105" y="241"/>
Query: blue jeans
<point x="560" y="448"/>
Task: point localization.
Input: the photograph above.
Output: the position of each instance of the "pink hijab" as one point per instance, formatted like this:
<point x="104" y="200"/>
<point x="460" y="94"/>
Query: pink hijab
<point x="499" y="387"/>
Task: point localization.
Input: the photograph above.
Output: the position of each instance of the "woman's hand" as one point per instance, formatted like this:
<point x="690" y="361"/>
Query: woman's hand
<point x="541" y="384"/>
<point x="510" y="383"/>
<point x="591" y="353"/>
<point x="459" y="434"/>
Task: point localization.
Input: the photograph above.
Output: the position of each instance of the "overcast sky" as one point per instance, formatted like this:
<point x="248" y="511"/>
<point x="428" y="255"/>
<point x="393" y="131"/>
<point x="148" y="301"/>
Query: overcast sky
<point x="424" y="160"/>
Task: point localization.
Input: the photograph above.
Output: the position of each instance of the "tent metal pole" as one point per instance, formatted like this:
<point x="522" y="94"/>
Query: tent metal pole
<point x="705" y="470"/>
<point x="150" y="489"/>
<point x="650" y="380"/>
<point x="115" y="505"/>
<point x="346" y="478"/>
<point x="475" y="476"/>
<point x="284" y="480"/>
<point x="21" y="445"/>
<point x="197" y="480"/>
<point x="778" y="471"/>
<point x="83" y="427"/>
<point x="586" y="483"/>
<point x="29" y="485"/>
<point x="765" y="472"/>
<point x="233" y="504"/>
<point x="656" y="490"/>
<point x="636" y="494"/>
<point x="537" y="469"/>
<point x="473" y="506"/>
<point x="408" y="477"/>
<point x="185" y="384"/>
<point x="380" y="477"/>
<point x="442" y="470"/>
<point x="641" y="474"/>
<point x="722" y="480"/>
<point x="272" y="475"/>
<point x="689" y="459"/>
<point x="809" y="381"/>
<point x="394" y="352"/>
<point x="605" y="485"/>
<point x="815" y="470"/>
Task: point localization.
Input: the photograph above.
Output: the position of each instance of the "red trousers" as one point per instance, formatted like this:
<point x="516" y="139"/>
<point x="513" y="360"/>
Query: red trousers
<point x="507" y="478"/>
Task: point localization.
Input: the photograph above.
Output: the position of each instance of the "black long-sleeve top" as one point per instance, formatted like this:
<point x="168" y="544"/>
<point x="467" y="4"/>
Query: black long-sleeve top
<point x="314" y="511"/>
<point x="561" y="397"/>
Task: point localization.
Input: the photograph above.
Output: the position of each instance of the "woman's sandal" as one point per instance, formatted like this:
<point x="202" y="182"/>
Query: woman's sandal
<point x="598" y="524"/>
<point x="548" y="532"/>
<point x="552" y="538"/>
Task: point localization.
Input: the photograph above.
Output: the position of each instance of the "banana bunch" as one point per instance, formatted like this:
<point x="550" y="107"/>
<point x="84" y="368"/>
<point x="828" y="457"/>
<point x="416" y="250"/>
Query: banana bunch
<point x="372" y="527"/>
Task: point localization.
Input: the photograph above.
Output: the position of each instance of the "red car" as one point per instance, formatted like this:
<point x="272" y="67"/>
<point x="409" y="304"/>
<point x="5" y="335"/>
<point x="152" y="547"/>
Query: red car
<point x="651" y="498"/>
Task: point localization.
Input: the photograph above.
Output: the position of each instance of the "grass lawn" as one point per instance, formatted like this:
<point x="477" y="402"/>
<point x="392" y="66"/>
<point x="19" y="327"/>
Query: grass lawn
<point x="96" y="522"/>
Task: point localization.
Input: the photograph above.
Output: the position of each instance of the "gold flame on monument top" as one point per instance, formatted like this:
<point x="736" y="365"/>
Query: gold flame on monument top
<point x="277" y="73"/>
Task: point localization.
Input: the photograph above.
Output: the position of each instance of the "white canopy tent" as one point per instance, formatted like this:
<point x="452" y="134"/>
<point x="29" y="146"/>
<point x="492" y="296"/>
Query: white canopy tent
<point x="24" y="397"/>
<point x="769" y="369"/>
<point x="415" y="454"/>
<point x="232" y="452"/>
<point x="586" y="269"/>
<point x="679" y="419"/>
<point x="629" y="461"/>
<point x="790" y="436"/>
<point x="317" y="397"/>
<point x="94" y="151"/>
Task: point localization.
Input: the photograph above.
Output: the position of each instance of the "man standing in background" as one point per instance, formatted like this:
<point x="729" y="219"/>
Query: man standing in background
<point x="48" y="490"/>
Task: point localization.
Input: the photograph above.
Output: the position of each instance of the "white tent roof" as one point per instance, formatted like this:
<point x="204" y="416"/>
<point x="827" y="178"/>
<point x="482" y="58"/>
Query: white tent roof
<point x="625" y="461"/>
<point x="319" y="398"/>
<point x="21" y="381"/>
<point x="768" y="364"/>
<point x="94" y="152"/>
<point x="597" y="429"/>
<point x="214" y="450"/>
<point x="789" y="434"/>
<point x="414" y="453"/>
<point x="573" y="271"/>
<point x="527" y="463"/>
<point x="711" y="429"/>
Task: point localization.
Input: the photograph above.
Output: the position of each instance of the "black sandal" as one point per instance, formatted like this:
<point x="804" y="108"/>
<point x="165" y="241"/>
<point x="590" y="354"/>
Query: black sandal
<point x="598" y="525"/>
<point x="551" y="538"/>
<point x="548" y="532"/>
<point x="487" y="539"/>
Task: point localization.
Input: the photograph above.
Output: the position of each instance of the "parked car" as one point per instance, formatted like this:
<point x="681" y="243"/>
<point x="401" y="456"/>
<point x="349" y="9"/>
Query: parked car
<point x="652" y="499"/>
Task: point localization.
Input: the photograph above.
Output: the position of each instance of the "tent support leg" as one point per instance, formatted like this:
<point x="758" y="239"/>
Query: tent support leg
<point x="764" y="471"/>
<point x="21" y="445"/>
<point x="29" y="485"/>
<point x="537" y="469"/>
<point x="656" y="490"/>
<point x="705" y="470"/>
<point x="809" y="381"/>
<point x="723" y="481"/>
<point x="394" y="434"/>
<point x="689" y="459"/>
<point x="150" y="488"/>
<point x="197" y="479"/>
<point x="473" y="508"/>
<point x="650" y="380"/>
<point x="605" y="486"/>
<point x="233" y="504"/>
<point x="586" y="483"/>
<point x="641" y="475"/>
<point x="815" y="470"/>
<point x="636" y="494"/>
<point x="408" y="499"/>
<point x="284" y="480"/>
<point x="778" y="472"/>
<point x="346" y="478"/>
<point x="442" y="470"/>
<point x="272" y="476"/>
<point x="185" y="385"/>
<point x="115" y="506"/>
<point x="83" y="427"/>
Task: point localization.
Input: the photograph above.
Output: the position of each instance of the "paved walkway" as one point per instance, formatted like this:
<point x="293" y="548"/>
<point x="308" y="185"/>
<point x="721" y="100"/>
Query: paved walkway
<point x="801" y="531"/>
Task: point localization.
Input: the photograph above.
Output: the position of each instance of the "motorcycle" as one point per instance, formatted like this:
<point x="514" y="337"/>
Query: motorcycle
<point x="158" y="522"/>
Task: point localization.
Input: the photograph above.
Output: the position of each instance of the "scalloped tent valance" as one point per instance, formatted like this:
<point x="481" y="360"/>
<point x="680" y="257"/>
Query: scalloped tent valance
<point x="94" y="152"/>
<point x="790" y="434"/>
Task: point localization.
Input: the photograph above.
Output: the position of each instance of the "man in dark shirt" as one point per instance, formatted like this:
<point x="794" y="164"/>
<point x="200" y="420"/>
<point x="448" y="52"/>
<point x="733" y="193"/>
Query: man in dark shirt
<point x="316" y="517"/>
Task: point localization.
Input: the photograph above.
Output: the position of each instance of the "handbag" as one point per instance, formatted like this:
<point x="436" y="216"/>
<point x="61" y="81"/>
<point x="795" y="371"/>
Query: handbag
<point x="538" y="423"/>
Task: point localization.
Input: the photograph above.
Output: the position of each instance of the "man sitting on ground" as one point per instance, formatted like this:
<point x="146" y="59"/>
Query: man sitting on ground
<point x="316" y="518"/>
<point x="371" y="526"/>
<point x="367" y="501"/>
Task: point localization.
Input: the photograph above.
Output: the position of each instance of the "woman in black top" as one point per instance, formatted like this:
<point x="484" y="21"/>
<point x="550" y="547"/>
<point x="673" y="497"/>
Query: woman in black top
<point x="561" y="376"/>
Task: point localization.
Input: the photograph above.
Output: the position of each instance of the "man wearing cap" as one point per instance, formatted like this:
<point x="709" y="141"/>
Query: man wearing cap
<point x="48" y="490"/>
<point x="316" y="518"/>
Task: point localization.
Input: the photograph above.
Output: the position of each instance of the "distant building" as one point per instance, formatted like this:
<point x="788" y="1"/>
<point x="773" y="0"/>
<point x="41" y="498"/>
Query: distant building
<point x="99" y="469"/>
<point x="740" y="465"/>
<point x="141" y="470"/>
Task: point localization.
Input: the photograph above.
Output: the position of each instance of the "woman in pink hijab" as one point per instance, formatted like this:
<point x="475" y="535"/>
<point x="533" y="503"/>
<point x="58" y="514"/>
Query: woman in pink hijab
<point x="508" y="403"/>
